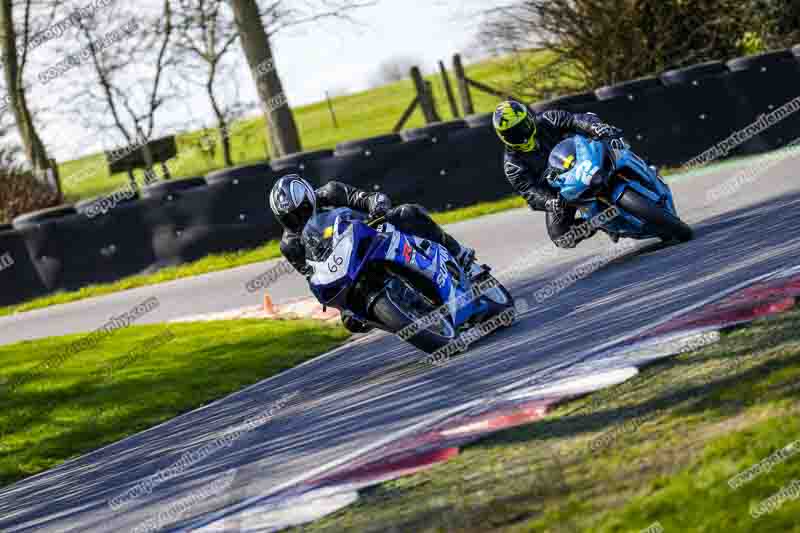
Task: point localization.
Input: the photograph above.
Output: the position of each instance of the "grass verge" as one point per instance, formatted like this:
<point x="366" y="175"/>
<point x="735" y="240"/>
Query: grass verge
<point x="654" y="452"/>
<point x="217" y="262"/>
<point x="208" y="264"/>
<point x="133" y="379"/>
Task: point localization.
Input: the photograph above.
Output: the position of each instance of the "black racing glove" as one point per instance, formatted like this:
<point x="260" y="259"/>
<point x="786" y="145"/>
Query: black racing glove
<point x="618" y="143"/>
<point x="601" y="130"/>
<point x="307" y="271"/>
<point x="611" y="134"/>
<point x="379" y="206"/>
<point x="555" y="205"/>
<point x="552" y="173"/>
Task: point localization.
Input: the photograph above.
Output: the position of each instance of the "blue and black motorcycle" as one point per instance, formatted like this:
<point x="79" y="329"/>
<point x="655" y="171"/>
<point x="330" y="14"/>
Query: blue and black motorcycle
<point x="397" y="282"/>
<point x="593" y="176"/>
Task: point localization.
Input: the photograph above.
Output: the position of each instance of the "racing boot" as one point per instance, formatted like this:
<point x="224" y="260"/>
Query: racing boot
<point x="466" y="260"/>
<point x="464" y="256"/>
<point x="353" y="324"/>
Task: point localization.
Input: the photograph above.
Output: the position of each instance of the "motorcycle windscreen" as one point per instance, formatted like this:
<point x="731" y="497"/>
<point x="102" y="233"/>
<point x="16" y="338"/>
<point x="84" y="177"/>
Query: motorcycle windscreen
<point x="589" y="159"/>
<point x="319" y="231"/>
<point x="335" y="266"/>
<point x="563" y="155"/>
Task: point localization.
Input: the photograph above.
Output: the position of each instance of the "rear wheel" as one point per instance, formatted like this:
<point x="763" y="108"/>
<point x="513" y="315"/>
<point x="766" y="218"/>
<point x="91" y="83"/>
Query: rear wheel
<point x="399" y="306"/>
<point x="659" y="221"/>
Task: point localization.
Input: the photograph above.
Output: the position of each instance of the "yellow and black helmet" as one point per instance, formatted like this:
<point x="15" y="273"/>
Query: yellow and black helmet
<point x="515" y="126"/>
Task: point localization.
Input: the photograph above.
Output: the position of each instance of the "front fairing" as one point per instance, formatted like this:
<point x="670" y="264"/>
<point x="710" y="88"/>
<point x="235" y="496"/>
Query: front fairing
<point x="589" y="158"/>
<point x="332" y="239"/>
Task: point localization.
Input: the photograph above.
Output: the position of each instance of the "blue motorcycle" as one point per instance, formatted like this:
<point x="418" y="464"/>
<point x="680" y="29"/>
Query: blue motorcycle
<point x="593" y="176"/>
<point x="397" y="282"/>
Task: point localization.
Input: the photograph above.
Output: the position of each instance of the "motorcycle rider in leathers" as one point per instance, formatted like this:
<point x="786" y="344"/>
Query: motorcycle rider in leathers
<point x="529" y="137"/>
<point x="294" y="201"/>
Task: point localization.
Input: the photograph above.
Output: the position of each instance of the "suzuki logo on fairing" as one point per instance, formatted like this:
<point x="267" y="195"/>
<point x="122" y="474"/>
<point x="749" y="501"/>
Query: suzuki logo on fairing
<point x="408" y="252"/>
<point x="441" y="277"/>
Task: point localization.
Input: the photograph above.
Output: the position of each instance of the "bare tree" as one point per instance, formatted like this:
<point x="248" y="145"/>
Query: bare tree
<point x="130" y="56"/>
<point x="14" y="59"/>
<point x="258" y="23"/>
<point x="206" y="33"/>
<point x="393" y="69"/>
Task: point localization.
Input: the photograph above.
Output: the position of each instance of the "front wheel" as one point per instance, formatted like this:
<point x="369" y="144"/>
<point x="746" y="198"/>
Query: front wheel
<point x="500" y="301"/>
<point x="405" y="313"/>
<point x="660" y="221"/>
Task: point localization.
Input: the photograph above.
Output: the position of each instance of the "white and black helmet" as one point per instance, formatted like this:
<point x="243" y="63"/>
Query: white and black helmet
<point x="293" y="202"/>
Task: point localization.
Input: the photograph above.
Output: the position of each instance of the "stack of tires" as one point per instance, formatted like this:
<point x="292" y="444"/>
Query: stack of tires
<point x="444" y="170"/>
<point x="19" y="274"/>
<point x="708" y="110"/>
<point x="768" y="83"/>
<point x="471" y="163"/>
<point x="642" y="109"/>
<point x="384" y="163"/>
<point x="574" y="103"/>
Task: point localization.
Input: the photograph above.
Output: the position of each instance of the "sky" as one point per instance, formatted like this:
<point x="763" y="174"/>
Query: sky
<point x="344" y="55"/>
<point x="336" y="56"/>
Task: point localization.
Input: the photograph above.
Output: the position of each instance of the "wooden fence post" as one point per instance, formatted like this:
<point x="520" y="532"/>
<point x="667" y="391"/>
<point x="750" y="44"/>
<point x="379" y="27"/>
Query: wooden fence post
<point x="425" y="96"/>
<point x="406" y="115"/>
<point x="330" y="108"/>
<point x="449" y="90"/>
<point x="432" y="101"/>
<point x="55" y="176"/>
<point x="463" y="86"/>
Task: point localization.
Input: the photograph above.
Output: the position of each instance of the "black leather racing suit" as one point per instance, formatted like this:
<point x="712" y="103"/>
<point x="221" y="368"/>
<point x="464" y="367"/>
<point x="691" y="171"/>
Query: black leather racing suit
<point x="408" y="218"/>
<point x="526" y="171"/>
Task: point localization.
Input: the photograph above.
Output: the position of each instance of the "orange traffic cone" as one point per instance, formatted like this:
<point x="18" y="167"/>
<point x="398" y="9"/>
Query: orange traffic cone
<point x="268" y="307"/>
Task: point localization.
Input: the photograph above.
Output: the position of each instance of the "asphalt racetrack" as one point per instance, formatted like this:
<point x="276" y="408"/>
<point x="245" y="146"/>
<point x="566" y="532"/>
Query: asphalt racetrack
<point x="369" y="391"/>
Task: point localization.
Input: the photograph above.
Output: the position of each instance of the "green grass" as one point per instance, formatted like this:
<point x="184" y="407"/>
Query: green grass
<point x="658" y="448"/>
<point x="217" y="262"/>
<point x="210" y="263"/>
<point x="79" y="406"/>
<point x="359" y="115"/>
<point x="479" y="210"/>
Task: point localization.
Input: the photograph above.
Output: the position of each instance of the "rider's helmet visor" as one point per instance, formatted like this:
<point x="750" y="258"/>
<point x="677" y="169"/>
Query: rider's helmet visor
<point x="296" y="219"/>
<point x="521" y="133"/>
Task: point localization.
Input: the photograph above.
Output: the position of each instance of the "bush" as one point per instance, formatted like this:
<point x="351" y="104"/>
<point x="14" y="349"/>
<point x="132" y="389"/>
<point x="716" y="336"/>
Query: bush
<point x="20" y="192"/>
<point x="592" y="43"/>
<point x="780" y="22"/>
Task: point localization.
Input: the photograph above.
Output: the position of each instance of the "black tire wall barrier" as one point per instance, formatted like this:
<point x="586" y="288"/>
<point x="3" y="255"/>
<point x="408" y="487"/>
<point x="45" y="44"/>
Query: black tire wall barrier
<point x="670" y="119"/>
<point x="769" y="82"/>
<point x="19" y="277"/>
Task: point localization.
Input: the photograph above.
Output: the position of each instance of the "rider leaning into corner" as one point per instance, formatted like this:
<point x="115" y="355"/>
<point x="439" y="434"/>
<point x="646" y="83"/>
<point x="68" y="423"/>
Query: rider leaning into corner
<point x="294" y="201"/>
<point x="529" y="137"/>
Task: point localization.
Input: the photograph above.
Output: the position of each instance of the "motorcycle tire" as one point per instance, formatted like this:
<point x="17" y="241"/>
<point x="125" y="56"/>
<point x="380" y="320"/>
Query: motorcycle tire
<point x="661" y="222"/>
<point x="390" y="309"/>
<point x="500" y="301"/>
